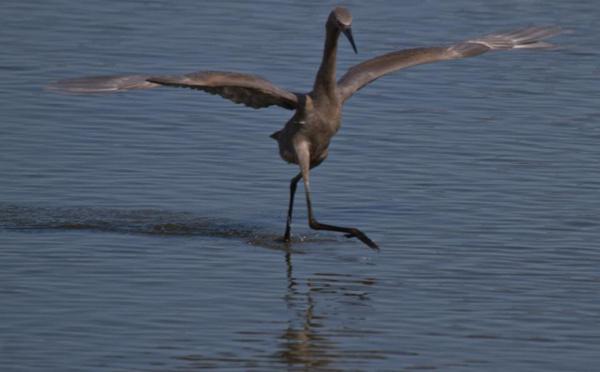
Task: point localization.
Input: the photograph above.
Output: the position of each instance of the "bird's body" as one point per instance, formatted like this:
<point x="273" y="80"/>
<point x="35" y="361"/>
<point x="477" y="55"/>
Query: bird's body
<point x="314" y="125"/>
<point x="305" y="138"/>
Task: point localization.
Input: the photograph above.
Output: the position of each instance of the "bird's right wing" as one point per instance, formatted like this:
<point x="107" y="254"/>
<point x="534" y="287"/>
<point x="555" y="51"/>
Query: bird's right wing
<point x="250" y="90"/>
<point x="364" y="73"/>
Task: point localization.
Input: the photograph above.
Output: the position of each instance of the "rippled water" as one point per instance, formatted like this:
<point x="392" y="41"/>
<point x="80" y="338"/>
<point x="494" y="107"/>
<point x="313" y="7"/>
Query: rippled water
<point x="138" y="230"/>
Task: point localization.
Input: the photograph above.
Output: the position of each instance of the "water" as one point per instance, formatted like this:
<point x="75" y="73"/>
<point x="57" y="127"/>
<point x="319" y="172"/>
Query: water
<point x="137" y="230"/>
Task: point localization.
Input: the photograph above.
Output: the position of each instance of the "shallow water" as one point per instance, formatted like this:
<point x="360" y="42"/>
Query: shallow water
<point x="138" y="230"/>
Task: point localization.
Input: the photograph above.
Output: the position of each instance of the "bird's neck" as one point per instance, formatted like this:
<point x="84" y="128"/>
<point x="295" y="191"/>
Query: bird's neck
<point x="325" y="82"/>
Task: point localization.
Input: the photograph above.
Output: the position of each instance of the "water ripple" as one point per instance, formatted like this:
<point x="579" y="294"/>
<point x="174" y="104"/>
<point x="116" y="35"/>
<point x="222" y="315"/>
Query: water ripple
<point x="142" y="221"/>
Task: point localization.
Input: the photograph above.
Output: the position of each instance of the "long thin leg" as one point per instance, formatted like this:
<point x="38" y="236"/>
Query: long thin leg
<point x="351" y="232"/>
<point x="293" y="186"/>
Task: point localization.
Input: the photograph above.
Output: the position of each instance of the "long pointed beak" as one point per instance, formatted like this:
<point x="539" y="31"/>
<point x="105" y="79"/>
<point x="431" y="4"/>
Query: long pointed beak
<point x="348" y="33"/>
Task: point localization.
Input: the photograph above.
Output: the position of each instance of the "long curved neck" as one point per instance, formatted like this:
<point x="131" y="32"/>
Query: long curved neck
<point x="325" y="82"/>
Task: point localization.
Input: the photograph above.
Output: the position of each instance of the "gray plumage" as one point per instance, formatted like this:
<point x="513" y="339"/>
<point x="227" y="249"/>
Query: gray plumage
<point x="305" y="138"/>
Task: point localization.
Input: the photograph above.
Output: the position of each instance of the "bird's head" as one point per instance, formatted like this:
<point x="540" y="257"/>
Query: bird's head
<point x="341" y="18"/>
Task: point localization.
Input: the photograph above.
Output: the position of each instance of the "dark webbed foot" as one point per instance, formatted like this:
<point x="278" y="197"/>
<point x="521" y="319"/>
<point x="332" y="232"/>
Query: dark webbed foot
<point x="350" y="232"/>
<point x="356" y="233"/>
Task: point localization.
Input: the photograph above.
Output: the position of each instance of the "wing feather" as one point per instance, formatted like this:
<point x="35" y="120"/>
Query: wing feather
<point x="250" y="90"/>
<point x="362" y="74"/>
<point x="102" y="84"/>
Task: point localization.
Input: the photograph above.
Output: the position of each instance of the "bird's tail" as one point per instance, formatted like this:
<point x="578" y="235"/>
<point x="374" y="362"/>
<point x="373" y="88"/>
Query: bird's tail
<point x="276" y="135"/>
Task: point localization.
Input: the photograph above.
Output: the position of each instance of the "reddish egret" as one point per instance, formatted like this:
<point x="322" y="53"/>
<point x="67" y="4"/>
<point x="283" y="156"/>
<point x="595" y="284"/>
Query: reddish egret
<point x="305" y="138"/>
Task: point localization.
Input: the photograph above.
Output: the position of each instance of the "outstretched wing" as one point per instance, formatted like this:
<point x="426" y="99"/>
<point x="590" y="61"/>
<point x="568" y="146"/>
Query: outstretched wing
<point x="362" y="74"/>
<point x="250" y="90"/>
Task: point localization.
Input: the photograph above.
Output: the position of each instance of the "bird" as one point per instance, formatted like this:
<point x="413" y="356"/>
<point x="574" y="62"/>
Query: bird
<point x="304" y="140"/>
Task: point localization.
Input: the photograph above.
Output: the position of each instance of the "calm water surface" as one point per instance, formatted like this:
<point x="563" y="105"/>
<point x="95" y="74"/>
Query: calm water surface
<point x="137" y="230"/>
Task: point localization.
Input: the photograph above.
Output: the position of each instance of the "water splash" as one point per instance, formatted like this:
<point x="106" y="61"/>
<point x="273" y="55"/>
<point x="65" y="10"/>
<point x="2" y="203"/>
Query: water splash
<point x="141" y="221"/>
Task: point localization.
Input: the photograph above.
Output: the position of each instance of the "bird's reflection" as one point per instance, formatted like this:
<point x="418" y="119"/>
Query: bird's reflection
<point x="309" y="340"/>
<point x="326" y="326"/>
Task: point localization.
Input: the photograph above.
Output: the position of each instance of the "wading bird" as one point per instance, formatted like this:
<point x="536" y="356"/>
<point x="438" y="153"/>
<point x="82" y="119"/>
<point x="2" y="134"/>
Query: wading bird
<point x="305" y="138"/>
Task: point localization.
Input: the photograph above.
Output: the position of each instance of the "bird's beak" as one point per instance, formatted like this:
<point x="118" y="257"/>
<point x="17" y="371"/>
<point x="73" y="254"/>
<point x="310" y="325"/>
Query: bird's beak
<point x="348" y="33"/>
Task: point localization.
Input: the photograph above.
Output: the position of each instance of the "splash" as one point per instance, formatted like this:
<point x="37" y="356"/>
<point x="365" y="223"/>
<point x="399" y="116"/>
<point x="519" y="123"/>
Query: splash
<point x="141" y="221"/>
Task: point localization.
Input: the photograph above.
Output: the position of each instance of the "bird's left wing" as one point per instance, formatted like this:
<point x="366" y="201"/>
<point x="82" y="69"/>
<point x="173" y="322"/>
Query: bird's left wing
<point x="362" y="74"/>
<point x="250" y="90"/>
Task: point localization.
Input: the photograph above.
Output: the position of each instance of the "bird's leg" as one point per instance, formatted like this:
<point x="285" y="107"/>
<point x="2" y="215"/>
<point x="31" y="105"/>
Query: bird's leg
<point x="351" y="232"/>
<point x="293" y="185"/>
<point x="303" y="155"/>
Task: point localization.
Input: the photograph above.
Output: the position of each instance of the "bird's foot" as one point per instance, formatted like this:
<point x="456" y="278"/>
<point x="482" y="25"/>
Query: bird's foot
<point x="356" y="233"/>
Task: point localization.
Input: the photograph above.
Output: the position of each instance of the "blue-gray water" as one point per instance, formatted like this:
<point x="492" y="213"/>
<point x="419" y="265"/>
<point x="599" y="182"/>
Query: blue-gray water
<point x="137" y="230"/>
